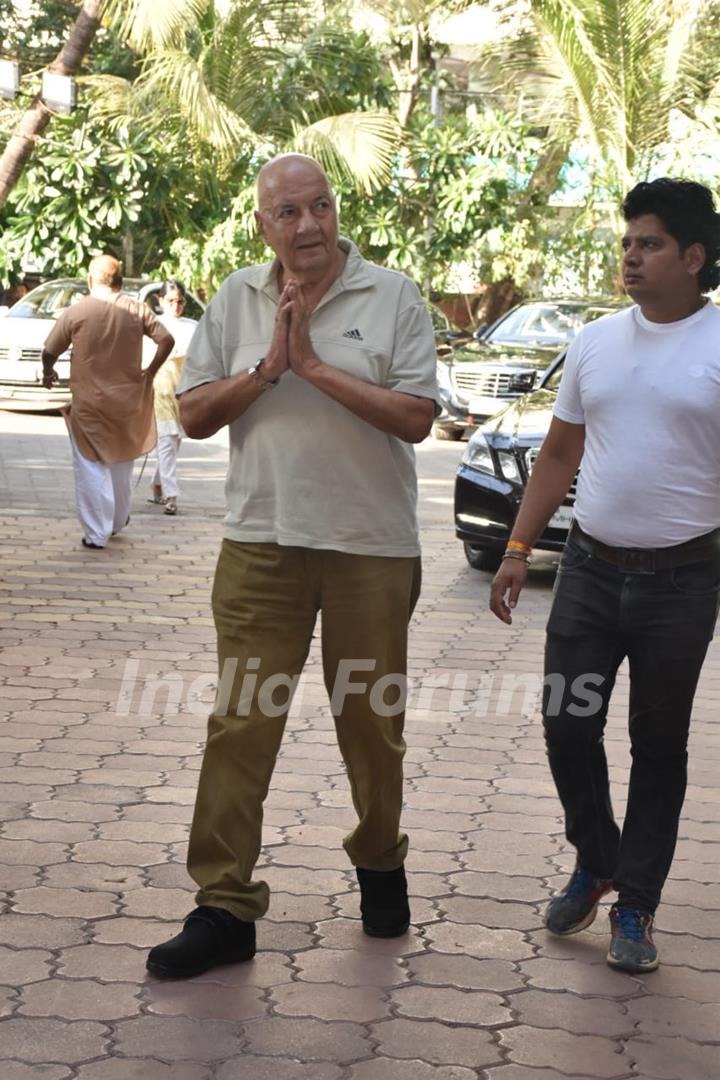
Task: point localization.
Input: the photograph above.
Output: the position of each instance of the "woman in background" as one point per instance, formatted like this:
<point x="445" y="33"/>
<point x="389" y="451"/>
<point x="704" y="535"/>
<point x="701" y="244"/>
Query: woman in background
<point x="172" y="297"/>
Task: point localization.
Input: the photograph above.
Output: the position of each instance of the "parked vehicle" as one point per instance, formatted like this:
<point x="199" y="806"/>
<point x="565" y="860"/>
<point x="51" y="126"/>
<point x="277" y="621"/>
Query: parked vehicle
<point x="27" y="324"/>
<point x="476" y="379"/>
<point x="494" y="471"/>
<point x="447" y="334"/>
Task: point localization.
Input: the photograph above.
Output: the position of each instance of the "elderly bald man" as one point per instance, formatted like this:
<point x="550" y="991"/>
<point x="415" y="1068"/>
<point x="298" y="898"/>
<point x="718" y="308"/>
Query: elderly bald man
<point x="323" y="367"/>
<point x="111" y="419"/>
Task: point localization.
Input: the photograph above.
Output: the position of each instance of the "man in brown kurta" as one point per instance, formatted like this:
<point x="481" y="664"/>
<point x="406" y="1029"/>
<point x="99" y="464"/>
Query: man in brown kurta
<point x="111" y="420"/>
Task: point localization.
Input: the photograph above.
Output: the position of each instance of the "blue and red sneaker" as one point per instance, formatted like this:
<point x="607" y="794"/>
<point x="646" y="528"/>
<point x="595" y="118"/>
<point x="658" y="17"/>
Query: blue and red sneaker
<point x="576" y="906"/>
<point x="631" y="945"/>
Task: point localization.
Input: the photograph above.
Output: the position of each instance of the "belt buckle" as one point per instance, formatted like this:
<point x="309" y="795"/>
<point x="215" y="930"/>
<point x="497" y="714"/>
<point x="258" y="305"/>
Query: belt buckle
<point x="637" y="561"/>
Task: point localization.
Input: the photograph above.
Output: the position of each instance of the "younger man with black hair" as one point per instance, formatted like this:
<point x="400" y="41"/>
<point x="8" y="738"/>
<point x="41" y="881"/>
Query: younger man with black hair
<point x="640" y="575"/>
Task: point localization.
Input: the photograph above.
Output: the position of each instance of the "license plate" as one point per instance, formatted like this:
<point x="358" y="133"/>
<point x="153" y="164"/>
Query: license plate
<point x="485" y="406"/>
<point x="562" y="518"/>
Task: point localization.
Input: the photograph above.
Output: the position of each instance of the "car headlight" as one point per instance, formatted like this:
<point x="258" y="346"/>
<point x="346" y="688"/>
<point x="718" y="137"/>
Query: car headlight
<point x="443" y="377"/>
<point x="509" y="466"/>
<point x="477" y="454"/>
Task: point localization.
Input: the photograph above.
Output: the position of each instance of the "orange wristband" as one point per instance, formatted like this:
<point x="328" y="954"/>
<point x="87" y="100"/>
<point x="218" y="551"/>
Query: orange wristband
<point x="518" y="545"/>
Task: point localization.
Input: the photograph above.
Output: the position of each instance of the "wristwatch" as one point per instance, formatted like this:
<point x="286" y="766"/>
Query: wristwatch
<point x="257" y="374"/>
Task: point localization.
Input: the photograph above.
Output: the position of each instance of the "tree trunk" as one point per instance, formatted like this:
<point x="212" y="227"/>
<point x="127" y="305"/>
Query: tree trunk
<point x="499" y="297"/>
<point x="37" y="117"/>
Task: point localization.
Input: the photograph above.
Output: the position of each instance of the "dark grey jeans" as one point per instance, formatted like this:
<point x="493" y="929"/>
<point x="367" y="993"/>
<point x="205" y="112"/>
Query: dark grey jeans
<point x="662" y="622"/>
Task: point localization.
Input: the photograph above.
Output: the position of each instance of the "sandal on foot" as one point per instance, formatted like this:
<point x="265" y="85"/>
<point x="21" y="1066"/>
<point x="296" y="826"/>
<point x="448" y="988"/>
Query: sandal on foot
<point x="171" y="505"/>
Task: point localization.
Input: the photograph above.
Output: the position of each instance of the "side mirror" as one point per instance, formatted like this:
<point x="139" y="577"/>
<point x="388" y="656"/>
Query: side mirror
<point x="523" y="382"/>
<point x="479" y="331"/>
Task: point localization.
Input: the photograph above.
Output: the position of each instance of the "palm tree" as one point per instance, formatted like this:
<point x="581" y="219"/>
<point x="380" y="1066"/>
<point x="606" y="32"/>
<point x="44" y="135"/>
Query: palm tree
<point x="214" y="69"/>
<point x="616" y="73"/>
<point x="37" y="117"/>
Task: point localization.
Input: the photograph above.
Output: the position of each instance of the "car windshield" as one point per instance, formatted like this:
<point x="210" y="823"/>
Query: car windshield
<point x="541" y="324"/>
<point x="47" y="301"/>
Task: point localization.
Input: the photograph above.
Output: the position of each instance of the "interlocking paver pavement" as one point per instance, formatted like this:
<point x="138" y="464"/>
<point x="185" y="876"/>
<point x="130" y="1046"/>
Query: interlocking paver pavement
<point x="106" y="672"/>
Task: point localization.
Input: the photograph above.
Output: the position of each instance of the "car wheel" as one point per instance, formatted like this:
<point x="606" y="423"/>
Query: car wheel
<point x="482" y="558"/>
<point x="447" y="434"/>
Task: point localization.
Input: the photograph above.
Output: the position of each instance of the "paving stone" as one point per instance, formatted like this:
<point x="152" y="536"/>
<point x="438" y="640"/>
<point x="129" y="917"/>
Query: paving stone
<point x="208" y="1001"/>
<point x="109" y="963"/>
<point x="31" y="853"/>
<point x="161" y="903"/>
<point x="68" y="810"/>
<point x="348" y="934"/>
<point x="177" y="1039"/>
<point x="593" y="980"/>
<point x="308" y="1039"/>
<point x="15" y="1070"/>
<point x="142" y="1069"/>
<point x="583" y="1055"/>
<point x="437" y="1044"/>
<point x="676" y="1017"/>
<point x="251" y="1067"/>
<point x="451" y="1005"/>
<point x="467" y="972"/>
<point x="670" y="981"/>
<point x="492" y="913"/>
<point x="59" y="902"/>
<point x="381" y="1069"/>
<point x="92" y="876"/>
<point x="670" y="1059"/>
<point x="521" y="1072"/>
<point x="583" y="1016"/>
<point x="19" y="877"/>
<point x="330" y="1002"/>
<point x="349" y="967"/>
<point x="69" y="1041"/>
<point x="478" y="941"/>
<point x="121" y="931"/>
<point x="84" y="999"/>
<point x="39" y="931"/>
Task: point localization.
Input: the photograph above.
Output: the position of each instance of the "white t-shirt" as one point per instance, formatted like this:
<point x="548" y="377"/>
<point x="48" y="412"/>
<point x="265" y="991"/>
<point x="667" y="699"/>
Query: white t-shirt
<point x="305" y="471"/>
<point x="649" y="396"/>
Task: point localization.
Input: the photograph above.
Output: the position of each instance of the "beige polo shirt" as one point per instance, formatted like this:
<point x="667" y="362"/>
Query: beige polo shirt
<point x="304" y="471"/>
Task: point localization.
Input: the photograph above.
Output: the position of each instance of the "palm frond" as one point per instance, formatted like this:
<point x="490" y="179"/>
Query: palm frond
<point x="150" y="25"/>
<point x="179" y="78"/>
<point x="360" y="146"/>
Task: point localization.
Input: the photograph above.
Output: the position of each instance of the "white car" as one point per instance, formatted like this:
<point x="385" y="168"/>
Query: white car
<point x="26" y="325"/>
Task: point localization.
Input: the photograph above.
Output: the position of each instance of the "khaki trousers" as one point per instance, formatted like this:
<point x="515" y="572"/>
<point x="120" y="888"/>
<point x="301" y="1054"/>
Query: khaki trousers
<point x="265" y="603"/>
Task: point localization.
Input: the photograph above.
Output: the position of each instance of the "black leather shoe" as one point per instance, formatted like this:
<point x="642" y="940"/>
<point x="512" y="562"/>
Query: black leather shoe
<point x="211" y="936"/>
<point x="384" y="901"/>
<point x="89" y="544"/>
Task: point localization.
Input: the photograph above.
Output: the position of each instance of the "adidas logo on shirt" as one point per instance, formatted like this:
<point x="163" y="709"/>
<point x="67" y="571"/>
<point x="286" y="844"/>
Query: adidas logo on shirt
<point x="354" y="335"/>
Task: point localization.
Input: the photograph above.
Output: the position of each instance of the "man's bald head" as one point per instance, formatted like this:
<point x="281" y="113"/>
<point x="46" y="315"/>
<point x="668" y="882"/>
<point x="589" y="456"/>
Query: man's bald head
<point x="282" y="170"/>
<point x="105" y="270"/>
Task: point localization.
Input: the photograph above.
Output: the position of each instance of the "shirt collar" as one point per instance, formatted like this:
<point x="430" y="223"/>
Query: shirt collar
<point x="354" y="275"/>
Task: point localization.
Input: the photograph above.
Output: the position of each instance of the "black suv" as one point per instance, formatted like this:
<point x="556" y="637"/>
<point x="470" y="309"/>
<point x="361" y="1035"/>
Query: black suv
<point x="494" y="470"/>
<point x="477" y="379"/>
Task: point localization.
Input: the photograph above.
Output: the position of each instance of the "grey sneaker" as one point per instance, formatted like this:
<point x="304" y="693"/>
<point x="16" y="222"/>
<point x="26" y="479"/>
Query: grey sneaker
<point x="631" y="945"/>
<point x="576" y="906"/>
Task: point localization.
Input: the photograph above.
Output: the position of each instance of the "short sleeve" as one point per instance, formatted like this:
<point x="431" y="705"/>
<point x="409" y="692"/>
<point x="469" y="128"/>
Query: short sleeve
<point x="413" y="368"/>
<point x="59" y="338"/>
<point x="568" y="405"/>
<point x="204" y="357"/>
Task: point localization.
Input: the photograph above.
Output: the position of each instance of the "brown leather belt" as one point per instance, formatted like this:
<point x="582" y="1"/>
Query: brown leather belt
<point x="648" y="560"/>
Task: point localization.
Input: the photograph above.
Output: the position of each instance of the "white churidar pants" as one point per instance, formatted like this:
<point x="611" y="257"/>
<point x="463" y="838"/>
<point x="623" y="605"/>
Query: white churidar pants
<point x="102" y="496"/>
<point x="167" y="449"/>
